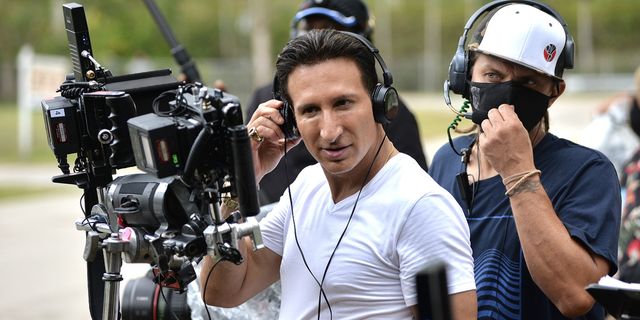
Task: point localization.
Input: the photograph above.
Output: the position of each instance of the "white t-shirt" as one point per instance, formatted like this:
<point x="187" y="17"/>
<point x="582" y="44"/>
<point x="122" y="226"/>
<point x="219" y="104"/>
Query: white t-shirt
<point x="402" y="221"/>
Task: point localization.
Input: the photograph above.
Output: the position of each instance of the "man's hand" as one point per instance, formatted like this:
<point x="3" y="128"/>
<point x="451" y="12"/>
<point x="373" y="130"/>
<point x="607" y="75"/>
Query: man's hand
<point x="505" y="142"/>
<point x="219" y="84"/>
<point x="268" y="151"/>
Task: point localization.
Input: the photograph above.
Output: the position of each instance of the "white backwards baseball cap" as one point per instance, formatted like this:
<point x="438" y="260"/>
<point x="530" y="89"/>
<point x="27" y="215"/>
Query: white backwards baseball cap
<point x="523" y="35"/>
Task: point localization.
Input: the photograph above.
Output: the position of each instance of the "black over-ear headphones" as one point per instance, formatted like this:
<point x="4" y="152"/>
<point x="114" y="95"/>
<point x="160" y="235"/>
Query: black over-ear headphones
<point x="384" y="97"/>
<point x="459" y="67"/>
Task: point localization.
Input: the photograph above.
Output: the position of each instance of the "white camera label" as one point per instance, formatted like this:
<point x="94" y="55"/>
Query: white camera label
<point x="57" y="113"/>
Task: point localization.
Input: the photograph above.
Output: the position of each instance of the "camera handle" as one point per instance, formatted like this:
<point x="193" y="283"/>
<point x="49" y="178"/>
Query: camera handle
<point x="222" y="237"/>
<point x="222" y="240"/>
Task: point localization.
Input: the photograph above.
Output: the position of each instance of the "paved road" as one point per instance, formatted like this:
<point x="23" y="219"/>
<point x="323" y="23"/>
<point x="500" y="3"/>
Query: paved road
<point x="43" y="272"/>
<point x="42" y="269"/>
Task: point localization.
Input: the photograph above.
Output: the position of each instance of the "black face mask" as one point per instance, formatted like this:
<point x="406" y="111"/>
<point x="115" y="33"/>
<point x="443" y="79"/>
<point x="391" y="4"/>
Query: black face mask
<point x="530" y="105"/>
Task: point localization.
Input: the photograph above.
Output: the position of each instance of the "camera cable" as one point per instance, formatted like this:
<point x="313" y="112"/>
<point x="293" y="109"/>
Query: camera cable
<point x="159" y="288"/>
<point x="164" y="98"/>
<point x="206" y="282"/>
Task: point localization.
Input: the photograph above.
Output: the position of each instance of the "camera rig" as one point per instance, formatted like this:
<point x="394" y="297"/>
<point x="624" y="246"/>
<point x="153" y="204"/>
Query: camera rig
<point x="192" y="145"/>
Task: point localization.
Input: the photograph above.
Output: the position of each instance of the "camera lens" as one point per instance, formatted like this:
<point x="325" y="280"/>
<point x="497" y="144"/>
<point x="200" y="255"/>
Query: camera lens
<point x="143" y="300"/>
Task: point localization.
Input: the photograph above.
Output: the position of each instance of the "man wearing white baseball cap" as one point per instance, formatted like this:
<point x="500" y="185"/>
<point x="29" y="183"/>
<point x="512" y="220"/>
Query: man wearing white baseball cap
<point x="544" y="213"/>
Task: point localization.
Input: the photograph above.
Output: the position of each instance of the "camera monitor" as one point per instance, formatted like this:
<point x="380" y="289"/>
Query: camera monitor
<point x="78" y="35"/>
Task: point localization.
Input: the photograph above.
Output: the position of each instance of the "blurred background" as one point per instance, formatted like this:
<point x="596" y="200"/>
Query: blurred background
<point x="238" y="42"/>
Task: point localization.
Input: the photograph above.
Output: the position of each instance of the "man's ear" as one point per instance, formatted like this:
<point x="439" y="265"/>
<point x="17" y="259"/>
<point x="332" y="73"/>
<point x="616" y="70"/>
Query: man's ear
<point x="557" y="91"/>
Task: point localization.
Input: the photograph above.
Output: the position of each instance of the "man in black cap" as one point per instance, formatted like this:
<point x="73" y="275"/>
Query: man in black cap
<point x="343" y="15"/>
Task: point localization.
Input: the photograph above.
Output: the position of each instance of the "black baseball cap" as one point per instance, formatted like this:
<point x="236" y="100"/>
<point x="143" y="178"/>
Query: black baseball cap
<point x="352" y="14"/>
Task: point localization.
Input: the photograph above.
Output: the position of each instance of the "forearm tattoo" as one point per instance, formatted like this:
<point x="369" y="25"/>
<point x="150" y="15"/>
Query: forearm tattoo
<point x="528" y="186"/>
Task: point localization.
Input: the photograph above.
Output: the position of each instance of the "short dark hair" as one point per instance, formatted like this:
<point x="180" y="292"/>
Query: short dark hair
<point x="318" y="46"/>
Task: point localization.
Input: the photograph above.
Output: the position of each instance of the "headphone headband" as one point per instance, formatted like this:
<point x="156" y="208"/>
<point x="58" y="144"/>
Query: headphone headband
<point x="384" y="97"/>
<point x="492" y="5"/>
<point x="386" y="74"/>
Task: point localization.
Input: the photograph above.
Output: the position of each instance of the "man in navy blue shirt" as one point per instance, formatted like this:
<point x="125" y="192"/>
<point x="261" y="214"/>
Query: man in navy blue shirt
<point x="544" y="213"/>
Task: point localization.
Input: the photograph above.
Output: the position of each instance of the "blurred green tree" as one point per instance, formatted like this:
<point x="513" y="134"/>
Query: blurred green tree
<point x="222" y="28"/>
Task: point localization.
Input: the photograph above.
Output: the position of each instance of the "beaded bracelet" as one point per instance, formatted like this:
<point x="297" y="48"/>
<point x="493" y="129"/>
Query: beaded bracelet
<point x="506" y="181"/>
<point x="517" y="184"/>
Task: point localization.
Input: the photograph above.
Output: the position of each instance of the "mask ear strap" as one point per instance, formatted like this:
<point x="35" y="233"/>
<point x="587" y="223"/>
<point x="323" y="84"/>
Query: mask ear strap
<point x="557" y="90"/>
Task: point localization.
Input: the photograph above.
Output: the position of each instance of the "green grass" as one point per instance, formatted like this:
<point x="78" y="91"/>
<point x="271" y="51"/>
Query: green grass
<point x="40" y="155"/>
<point x="434" y="124"/>
<point x="9" y="141"/>
<point x="24" y="191"/>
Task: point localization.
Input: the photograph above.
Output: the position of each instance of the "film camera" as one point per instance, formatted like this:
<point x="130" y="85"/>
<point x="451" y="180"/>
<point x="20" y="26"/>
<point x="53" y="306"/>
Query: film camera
<point x="191" y="143"/>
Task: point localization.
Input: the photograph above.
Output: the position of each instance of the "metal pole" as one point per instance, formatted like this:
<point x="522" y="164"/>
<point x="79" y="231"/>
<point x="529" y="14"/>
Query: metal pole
<point x="113" y="247"/>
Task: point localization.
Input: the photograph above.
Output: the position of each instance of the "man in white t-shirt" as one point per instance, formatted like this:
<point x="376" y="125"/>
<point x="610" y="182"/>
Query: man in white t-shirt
<point x="350" y="234"/>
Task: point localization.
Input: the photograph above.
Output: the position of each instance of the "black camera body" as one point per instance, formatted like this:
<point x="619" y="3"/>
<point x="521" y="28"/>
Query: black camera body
<point x="192" y="145"/>
<point x="94" y="121"/>
<point x="162" y="144"/>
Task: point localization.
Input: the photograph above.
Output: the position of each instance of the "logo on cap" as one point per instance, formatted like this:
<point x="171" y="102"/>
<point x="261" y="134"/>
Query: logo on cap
<point x="550" y="52"/>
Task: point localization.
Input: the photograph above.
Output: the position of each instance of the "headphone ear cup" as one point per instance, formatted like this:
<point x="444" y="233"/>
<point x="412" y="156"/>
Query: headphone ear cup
<point x="467" y="76"/>
<point x="385" y="103"/>
<point x="289" y="127"/>
<point x="569" y="53"/>
<point x="458" y="72"/>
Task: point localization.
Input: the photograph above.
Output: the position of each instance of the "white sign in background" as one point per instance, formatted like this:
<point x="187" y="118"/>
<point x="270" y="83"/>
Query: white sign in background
<point x="38" y="78"/>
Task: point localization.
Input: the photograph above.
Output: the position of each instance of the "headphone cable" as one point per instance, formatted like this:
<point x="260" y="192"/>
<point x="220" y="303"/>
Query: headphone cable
<point x="295" y="232"/>
<point x="454" y="124"/>
<point x="349" y="221"/>
<point x="322" y="293"/>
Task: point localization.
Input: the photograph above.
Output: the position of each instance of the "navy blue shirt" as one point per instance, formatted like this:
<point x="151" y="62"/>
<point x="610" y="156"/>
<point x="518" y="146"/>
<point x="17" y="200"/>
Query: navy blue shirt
<point x="583" y="187"/>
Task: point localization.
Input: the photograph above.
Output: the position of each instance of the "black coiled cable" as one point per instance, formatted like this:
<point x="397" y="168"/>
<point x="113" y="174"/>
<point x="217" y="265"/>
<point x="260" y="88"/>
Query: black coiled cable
<point x="73" y="90"/>
<point x="455" y="123"/>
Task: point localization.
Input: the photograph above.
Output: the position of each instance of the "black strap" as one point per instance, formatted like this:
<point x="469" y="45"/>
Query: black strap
<point x="95" y="268"/>
<point x="95" y="285"/>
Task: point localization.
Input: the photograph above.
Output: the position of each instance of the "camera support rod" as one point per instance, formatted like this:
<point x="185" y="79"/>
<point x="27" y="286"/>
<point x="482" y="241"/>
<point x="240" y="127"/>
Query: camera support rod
<point x="112" y="247"/>
<point x="178" y="51"/>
